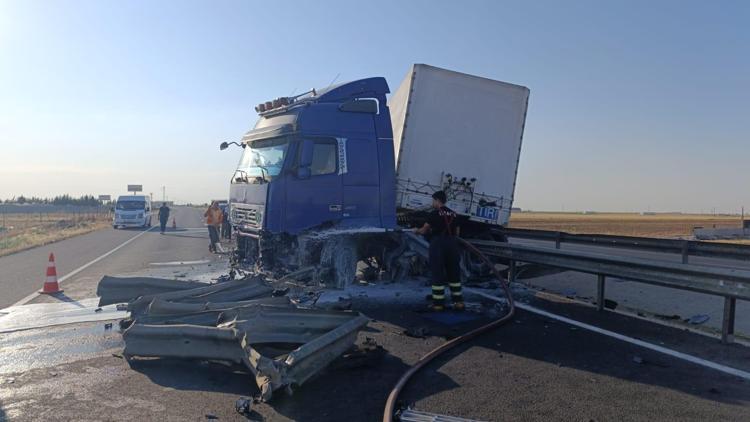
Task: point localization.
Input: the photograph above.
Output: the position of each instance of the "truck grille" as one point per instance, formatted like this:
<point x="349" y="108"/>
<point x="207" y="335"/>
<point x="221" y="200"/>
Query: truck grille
<point x="245" y="216"/>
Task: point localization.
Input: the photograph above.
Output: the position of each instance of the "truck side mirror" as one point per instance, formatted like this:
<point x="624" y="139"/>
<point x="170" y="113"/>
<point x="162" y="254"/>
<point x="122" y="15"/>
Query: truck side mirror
<point x="223" y="146"/>
<point x="303" y="173"/>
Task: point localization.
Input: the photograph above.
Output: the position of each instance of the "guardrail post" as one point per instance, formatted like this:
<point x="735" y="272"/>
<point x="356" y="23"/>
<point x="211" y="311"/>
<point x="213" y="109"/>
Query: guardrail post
<point x="557" y="240"/>
<point x="685" y="250"/>
<point x="512" y="272"/>
<point x="600" y="278"/>
<point x="727" y="325"/>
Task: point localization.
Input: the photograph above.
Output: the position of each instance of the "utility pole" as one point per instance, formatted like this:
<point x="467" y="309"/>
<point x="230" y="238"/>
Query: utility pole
<point x="742" y="219"/>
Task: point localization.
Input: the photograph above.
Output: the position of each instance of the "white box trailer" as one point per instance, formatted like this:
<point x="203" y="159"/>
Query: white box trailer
<point x="459" y="133"/>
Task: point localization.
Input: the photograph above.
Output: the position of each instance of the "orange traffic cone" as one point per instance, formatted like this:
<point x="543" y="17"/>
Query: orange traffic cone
<point x="51" y="285"/>
<point x="174" y="223"/>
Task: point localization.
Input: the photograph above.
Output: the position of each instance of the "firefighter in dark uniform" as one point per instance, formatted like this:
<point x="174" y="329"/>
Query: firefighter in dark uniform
<point x="441" y="229"/>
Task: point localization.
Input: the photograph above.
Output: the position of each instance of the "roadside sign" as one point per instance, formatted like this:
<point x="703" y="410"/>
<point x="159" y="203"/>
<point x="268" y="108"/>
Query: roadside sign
<point x="105" y="197"/>
<point x="135" y="188"/>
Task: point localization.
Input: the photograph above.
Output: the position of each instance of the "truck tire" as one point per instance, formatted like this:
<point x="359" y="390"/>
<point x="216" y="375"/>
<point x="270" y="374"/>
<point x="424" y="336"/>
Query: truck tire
<point x="338" y="260"/>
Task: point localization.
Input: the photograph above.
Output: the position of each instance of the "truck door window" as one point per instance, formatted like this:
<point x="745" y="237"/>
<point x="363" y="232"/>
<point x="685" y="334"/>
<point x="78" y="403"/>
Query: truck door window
<point x="323" y="157"/>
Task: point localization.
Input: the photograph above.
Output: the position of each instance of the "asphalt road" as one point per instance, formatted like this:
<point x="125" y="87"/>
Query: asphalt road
<point x="639" y="297"/>
<point x="23" y="273"/>
<point x="531" y="369"/>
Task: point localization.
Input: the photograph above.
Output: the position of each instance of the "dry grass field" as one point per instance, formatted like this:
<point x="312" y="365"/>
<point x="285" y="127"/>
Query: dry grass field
<point x="626" y="224"/>
<point x="27" y="230"/>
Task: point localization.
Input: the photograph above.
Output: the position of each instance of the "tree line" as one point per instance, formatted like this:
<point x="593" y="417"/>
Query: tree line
<point x="84" y="200"/>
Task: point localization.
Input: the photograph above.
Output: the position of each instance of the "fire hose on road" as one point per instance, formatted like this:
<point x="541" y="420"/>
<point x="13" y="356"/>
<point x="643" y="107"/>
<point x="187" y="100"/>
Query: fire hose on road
<point x="390" y="404"/>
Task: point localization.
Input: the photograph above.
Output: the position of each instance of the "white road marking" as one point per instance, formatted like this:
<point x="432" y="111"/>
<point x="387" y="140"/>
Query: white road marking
<point x="679" y="355"/>
<point x="84" y="266"/>
<point x="175" y="263"/>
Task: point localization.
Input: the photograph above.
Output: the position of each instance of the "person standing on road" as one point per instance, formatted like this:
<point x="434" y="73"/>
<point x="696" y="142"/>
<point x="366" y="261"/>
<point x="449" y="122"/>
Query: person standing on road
<point x="214" y="218"/>
<point x="163" y="216"/>
<point x="226" y="228"/>
<point x="442" y="226"/>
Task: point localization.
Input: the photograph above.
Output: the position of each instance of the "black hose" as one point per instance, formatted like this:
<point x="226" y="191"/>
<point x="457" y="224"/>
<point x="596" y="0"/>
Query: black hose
<point x="390" y="404"/>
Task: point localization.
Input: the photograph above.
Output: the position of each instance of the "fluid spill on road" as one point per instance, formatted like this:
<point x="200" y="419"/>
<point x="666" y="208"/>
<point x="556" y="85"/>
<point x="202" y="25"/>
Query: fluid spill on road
<point x="47" y="347"/>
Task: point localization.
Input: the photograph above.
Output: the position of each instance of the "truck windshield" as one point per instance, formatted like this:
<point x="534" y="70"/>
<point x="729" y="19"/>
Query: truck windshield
<point x="262" y="160"/>
<point x="131" y="205"/>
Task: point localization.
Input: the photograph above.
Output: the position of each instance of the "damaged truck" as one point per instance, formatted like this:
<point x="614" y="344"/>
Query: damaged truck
<point x="331" y="178"/>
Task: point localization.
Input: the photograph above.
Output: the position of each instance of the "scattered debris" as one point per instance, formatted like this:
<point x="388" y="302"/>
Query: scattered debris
<point x="610" y="304"/>
<point x="417" y="332"/>
<point x="108" y="326"/>
<point x="411" y="415"/>
<point x="698" y="319"/>
<point x="667" y="317"/>
<point x="225" y="277"/>
<point x="368" y="354"/>
<point x="280" y="292"/>
<point x="211" y="416"/>
<point x="122" y="307"/>
<point x="343" y="304"/>
<point x="98" y="310"/>
<point x="243" y="406"/>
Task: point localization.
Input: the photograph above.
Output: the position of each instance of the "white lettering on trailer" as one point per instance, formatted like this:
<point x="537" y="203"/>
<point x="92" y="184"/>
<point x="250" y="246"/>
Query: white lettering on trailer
<point x="342" y="155"/>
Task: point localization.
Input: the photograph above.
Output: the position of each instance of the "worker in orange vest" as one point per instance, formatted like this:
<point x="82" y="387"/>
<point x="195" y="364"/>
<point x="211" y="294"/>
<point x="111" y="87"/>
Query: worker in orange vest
<point x="214" y="217"/>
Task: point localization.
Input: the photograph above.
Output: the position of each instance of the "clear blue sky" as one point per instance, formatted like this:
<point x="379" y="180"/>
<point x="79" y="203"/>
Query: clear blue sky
<point x="634" y="104"/>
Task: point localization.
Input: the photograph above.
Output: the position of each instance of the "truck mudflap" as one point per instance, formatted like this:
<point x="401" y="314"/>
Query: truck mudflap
<point x="283" y="346"/>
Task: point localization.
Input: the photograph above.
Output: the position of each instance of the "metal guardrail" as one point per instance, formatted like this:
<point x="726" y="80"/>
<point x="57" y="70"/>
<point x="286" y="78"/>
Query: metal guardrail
<point x="732" y="284"/>
<point x="686" y="248"/>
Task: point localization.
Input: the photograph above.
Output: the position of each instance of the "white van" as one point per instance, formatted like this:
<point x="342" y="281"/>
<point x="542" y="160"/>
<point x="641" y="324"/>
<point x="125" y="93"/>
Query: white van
<point x="132" y="211"/>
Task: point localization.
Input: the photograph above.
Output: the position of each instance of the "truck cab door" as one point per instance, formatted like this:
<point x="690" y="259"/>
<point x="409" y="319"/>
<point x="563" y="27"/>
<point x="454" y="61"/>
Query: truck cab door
<point x="314" y="188"/>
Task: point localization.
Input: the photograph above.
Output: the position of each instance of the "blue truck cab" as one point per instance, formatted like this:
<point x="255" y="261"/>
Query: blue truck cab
<point x="321" y="159"/>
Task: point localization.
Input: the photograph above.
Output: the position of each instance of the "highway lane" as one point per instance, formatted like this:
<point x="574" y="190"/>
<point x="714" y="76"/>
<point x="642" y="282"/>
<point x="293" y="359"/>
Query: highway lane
<point x="23" y="273"/>
<point x="639" y="296"/>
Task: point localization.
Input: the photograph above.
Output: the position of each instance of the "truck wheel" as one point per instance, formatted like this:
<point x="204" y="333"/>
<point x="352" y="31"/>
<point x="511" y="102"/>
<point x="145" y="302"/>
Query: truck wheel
<point x="339" y="258"/>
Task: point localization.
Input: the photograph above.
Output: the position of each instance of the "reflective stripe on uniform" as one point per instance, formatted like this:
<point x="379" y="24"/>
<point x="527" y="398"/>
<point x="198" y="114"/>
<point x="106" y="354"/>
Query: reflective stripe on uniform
<point x="437" y="297"/>
<point x="458" y="293"/>
<point x="458" y="285"/>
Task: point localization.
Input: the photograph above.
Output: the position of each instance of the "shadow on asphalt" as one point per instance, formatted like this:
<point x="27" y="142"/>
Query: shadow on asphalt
<point x="62" y="297"/>
<point x="133" y="229"/>
<point x="186" y="236"/>
<point x="195" y="376"/>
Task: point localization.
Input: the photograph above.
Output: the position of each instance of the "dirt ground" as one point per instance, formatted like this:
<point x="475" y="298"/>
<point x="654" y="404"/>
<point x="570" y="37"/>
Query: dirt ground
<point x="626" y="224"/>
<point x="20" y="231"/>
